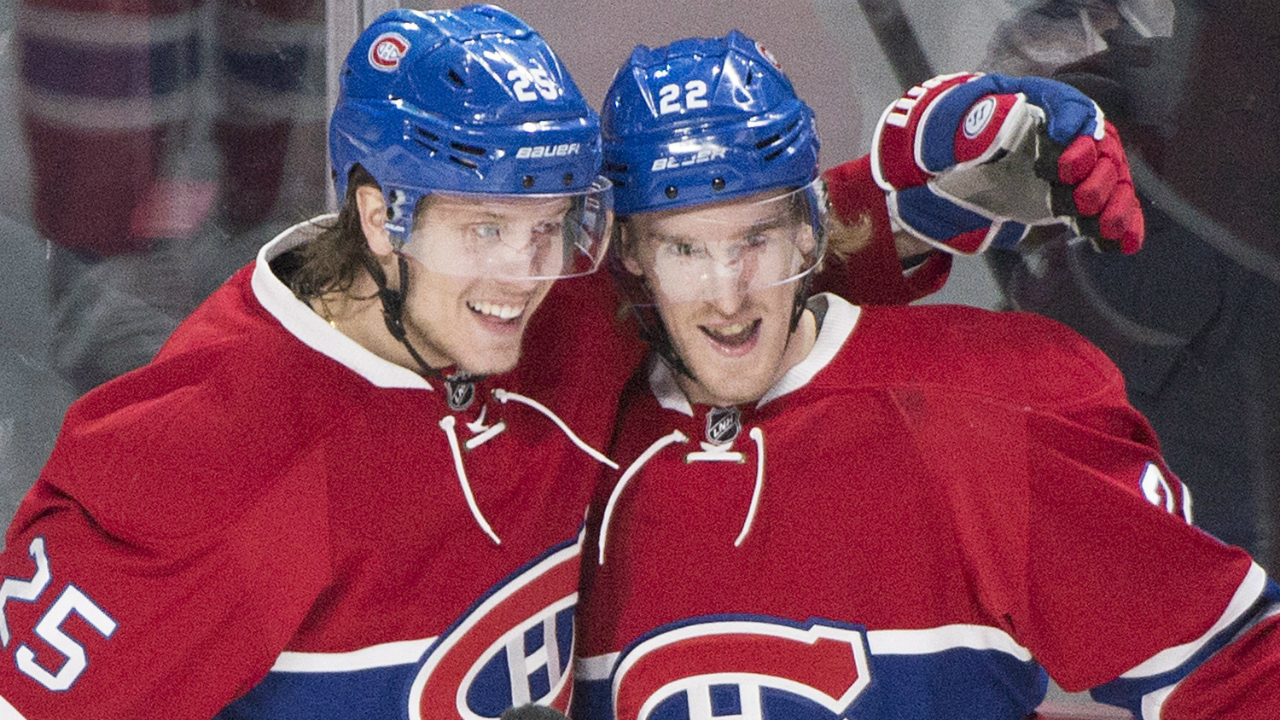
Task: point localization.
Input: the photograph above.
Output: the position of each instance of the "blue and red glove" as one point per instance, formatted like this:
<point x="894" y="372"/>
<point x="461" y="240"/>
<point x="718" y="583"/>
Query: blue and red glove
<point x="971" y="161"/>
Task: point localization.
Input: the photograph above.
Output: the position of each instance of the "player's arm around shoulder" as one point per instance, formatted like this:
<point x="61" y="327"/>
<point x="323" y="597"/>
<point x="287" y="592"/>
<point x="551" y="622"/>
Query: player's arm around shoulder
<point x="866" y="260"/>
<point x="1013" y="359"/>
<point x="1125" y="596"/>
<point x="163" y="558"/>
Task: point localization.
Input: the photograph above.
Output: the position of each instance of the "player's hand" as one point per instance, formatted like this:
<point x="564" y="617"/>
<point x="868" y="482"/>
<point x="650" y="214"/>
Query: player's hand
<point x="972" y="161"/>
<point x="1091" y="185"/>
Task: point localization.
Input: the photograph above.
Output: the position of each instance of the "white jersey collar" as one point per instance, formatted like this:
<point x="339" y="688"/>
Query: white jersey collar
<point x="838" y="324"/>
<point x="297" y="318"/>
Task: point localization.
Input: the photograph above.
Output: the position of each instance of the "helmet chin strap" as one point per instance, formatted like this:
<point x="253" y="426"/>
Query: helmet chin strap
<point x="801" y="299"/>
<point x="656" y="335"/>
<point x="392" y="300"/>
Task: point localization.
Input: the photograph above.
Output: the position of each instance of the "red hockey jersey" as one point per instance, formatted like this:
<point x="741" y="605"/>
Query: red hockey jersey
<point x="931" y="510"/>
<point x="268" y="510"/>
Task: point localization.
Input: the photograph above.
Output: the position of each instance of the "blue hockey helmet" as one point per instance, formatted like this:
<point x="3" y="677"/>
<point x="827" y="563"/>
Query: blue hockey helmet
<point x="469" y="101"/>
<point x="703" y="120"/>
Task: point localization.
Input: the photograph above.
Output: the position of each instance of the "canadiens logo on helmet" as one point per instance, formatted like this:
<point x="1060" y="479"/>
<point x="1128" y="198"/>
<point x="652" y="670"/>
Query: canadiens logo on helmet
<point x="512" y="648"/>
<point x="761" y="667"/>
<point x="764" y="53"/>
<point x="387" y="50"/>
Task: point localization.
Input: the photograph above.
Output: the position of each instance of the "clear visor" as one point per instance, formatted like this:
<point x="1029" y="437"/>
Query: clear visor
<point x="514" y="237"/>
<point x="710" y="252"/>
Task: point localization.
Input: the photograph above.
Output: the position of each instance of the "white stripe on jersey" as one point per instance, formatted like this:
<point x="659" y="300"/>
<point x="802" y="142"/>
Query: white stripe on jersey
<point x="881" y="642"/>
<point x="1153" y="702"/>
<point x="403" y="652"/>
<point x="947" y="637"/>
<point x="1246" y="595"/>
<point x="8" y="712"/>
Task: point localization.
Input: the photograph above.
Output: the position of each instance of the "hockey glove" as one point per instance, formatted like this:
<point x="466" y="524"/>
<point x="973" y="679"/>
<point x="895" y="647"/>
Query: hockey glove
<point x="972" y="161"/>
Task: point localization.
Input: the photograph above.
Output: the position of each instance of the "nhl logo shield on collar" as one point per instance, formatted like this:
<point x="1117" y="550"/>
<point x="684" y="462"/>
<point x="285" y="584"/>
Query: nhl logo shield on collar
<point x="460" y="392"/>
<point x="723" y="425"/>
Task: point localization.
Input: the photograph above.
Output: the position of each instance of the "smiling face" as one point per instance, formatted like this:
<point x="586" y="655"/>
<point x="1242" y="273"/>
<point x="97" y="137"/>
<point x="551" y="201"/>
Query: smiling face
<point x="475" y="267"/>
<point x="724" y="277"/>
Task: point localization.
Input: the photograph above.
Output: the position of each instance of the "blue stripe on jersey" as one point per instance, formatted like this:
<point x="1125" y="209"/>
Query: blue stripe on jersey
<point x="591" y="698"/>
<point x="957" y="683"/>
<point x="381" y="692"/>
<point x="1129" y="692"/>
<point x="373" y="693"/>
<point x="954" y="683"/>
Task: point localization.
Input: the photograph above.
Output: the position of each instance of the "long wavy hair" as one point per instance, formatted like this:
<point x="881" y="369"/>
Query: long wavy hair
<point x="334" y="259"/>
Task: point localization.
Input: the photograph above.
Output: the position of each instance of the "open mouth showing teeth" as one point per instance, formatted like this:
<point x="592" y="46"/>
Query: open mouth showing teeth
<point x="495" y="310"/>
<point x="733" y="335"/>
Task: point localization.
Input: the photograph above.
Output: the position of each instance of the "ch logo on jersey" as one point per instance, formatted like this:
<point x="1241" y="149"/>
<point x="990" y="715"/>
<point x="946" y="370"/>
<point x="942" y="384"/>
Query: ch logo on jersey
<point x="511" y="649"/>
<point x="387" y="51"/>
<point x="748" y="669"/>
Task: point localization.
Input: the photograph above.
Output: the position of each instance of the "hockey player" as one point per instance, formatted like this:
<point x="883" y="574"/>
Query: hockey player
<point x="334" y="493"/>
<point x="837" y="511"/>
<point x="345" y="487"/>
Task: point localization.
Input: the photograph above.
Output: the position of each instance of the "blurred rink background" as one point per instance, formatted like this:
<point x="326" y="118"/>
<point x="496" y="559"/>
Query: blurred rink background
<point x="149" y="147"/>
